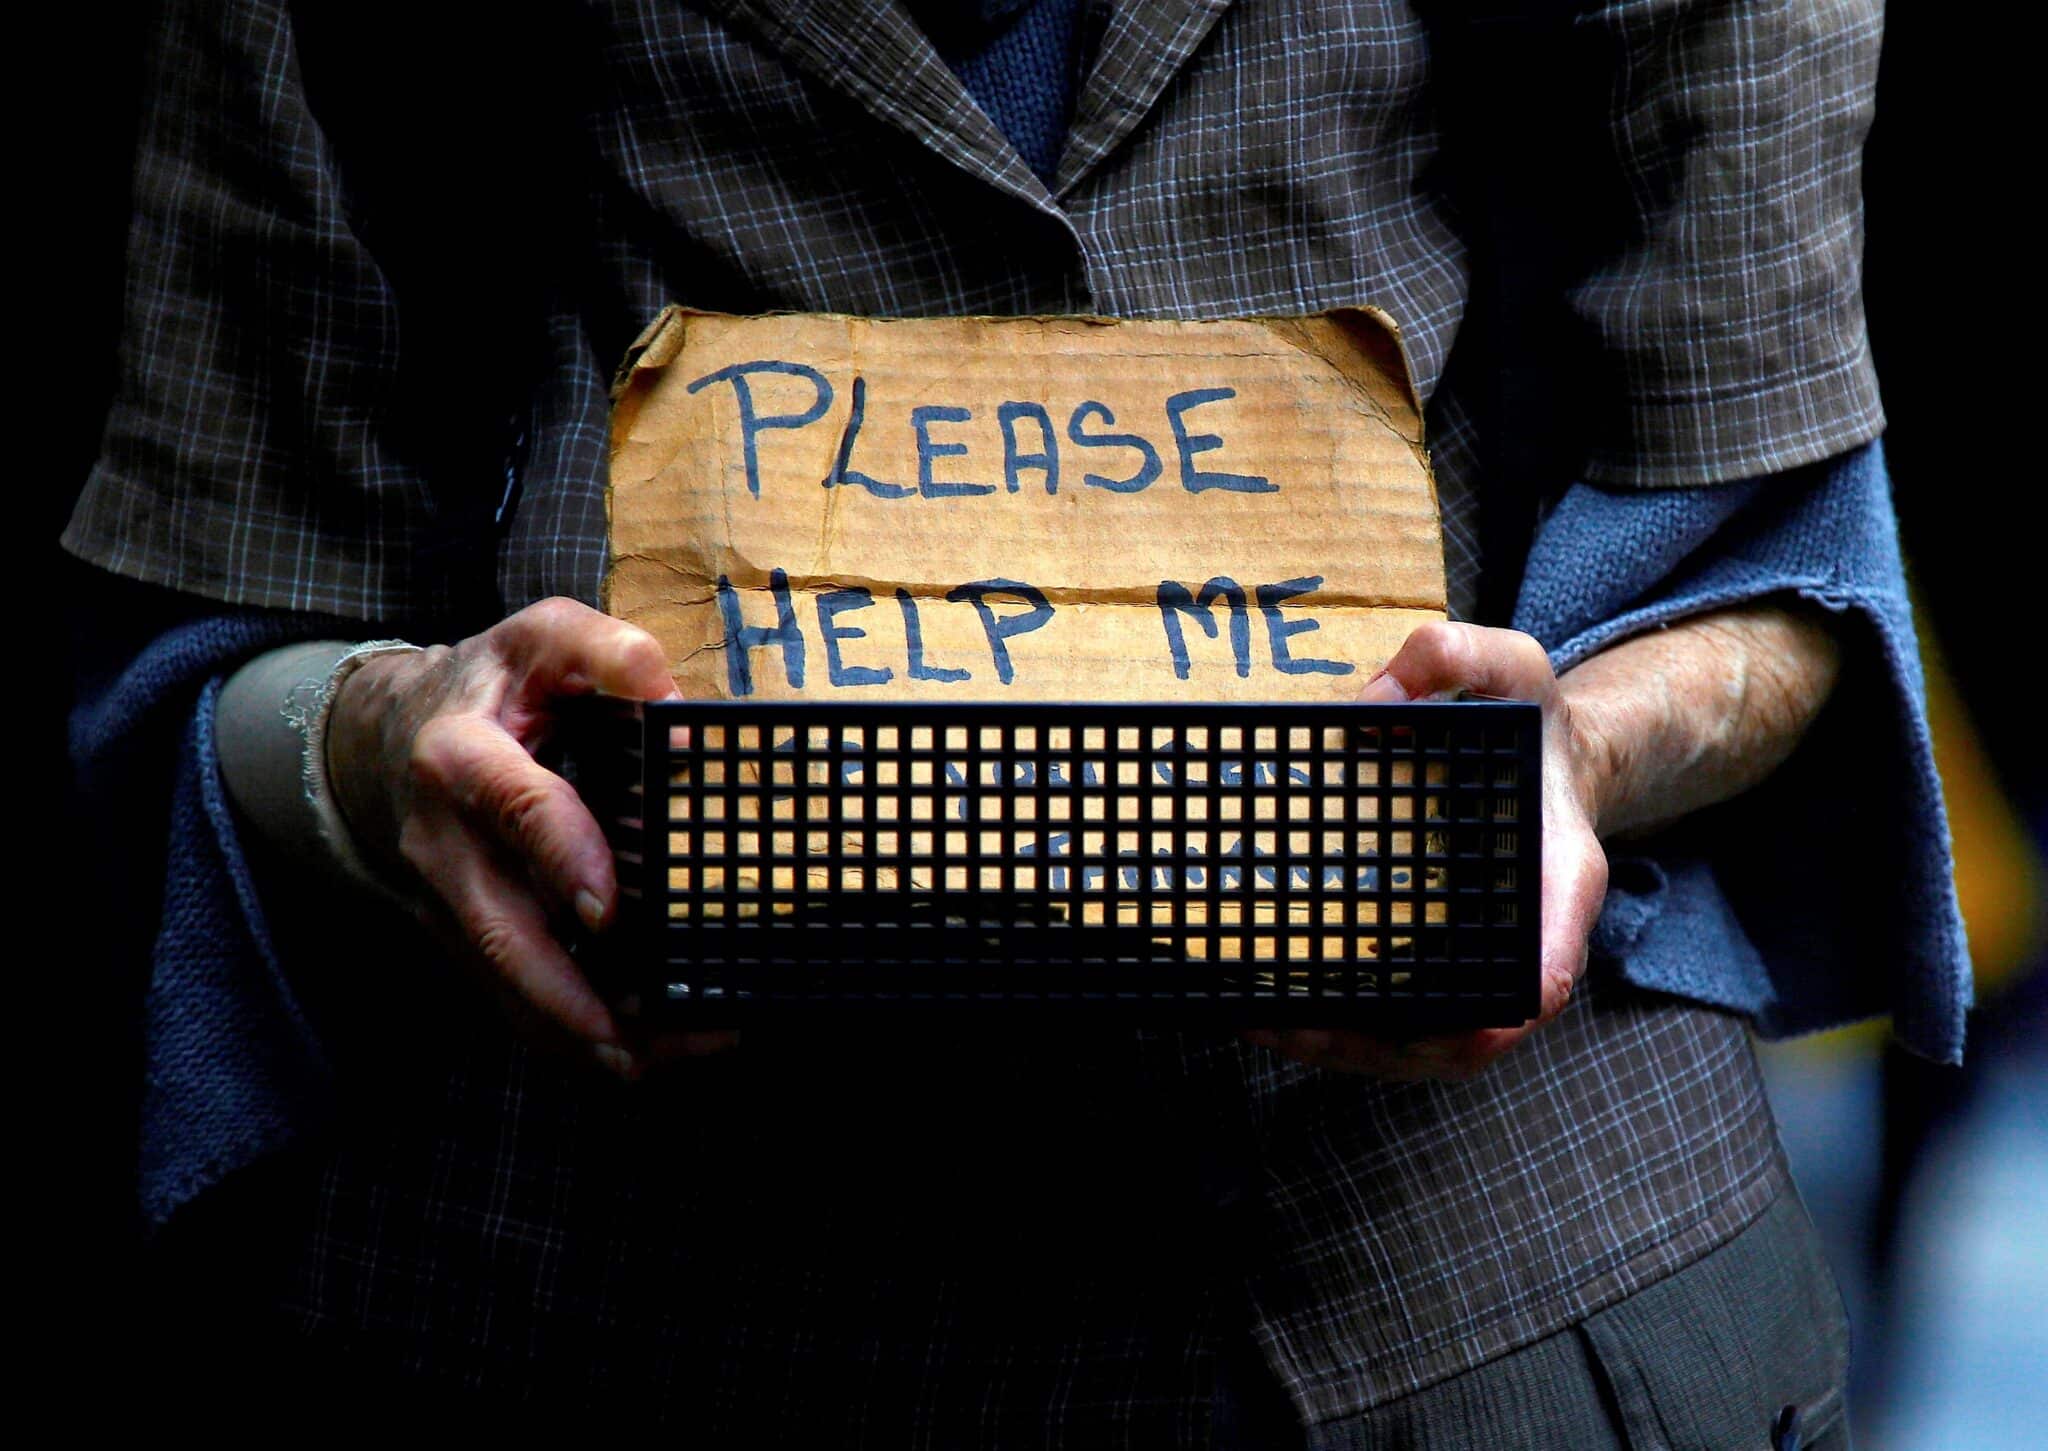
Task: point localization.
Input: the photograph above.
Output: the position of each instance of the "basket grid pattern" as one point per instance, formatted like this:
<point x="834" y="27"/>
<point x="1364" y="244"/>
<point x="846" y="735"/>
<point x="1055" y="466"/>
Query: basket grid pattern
<point x="1164" y="854"/>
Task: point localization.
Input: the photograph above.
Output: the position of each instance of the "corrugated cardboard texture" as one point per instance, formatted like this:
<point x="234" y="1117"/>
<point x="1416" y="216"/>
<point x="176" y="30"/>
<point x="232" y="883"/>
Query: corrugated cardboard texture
<point x="1021" y="508"/>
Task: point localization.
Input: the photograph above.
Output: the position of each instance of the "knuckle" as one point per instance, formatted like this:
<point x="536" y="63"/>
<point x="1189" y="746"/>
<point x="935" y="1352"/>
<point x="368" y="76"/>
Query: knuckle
<point x="437" y="757"/>
<point x="1447" y="650"/>
<point x="639" y="652"/>
<point x="522" y="806"/>
<point x="496" y="939"/>
<point x="557" y="612"/>
<point x="532" y="628"/>
<point x="1433" y="639"/>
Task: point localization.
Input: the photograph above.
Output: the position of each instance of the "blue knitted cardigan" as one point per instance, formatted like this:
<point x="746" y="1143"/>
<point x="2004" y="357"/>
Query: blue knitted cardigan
<point x="1824" y="896"/>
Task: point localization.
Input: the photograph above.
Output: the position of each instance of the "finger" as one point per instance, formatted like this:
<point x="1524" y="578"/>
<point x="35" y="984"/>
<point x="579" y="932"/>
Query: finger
<point x="523" y="808"/>
<point x="504" y="927"/>
<point x="1574" y="890"/>
<point x="1444" y="657"/>
<point x="563" y="647"/>
<point x="538" y="1031"/>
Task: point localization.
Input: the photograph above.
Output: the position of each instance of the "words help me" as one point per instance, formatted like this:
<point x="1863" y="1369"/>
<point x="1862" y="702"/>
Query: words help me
<point x="1041" y="448"/>
<point x="1007" y="608"/>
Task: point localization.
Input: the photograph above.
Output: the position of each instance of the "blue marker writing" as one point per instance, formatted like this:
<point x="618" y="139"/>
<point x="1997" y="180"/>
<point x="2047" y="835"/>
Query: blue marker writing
<point x="921" y="421"/>
<point x="913" y="634"/>
<point x="830" y="606"/>
<point x="1278" y="628"/>
<point x="741" y="638"/>
<point x="753" y="424"/>
<point x="1175" y="601"/>
<point x="1046" y="460"/>
<point x="1148" y="468"/>
<point x="1193" y="479"/>
<point x="1002" y="628"/>
<point x="843" y="471"/>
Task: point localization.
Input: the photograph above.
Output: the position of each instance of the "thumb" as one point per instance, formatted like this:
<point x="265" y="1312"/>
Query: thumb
<point x="1441" y="659"/>
<point x="563" y="647"/>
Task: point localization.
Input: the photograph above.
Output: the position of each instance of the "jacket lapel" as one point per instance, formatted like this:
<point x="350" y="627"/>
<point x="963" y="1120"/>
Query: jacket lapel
<point x="1144" y="44"/>
<point x="876" y="53"/>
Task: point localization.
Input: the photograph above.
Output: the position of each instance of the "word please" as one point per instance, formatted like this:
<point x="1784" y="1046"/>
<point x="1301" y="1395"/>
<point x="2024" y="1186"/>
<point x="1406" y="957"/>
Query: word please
<point x="840" y="636"/>
<point x="1031" y="445"/>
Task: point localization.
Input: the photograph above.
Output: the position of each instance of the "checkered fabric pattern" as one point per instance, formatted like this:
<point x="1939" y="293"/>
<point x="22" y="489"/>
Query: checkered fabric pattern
<point x="334" y="384"/>
<point x="963" y="1240"/>
<point x="379" y="276"/>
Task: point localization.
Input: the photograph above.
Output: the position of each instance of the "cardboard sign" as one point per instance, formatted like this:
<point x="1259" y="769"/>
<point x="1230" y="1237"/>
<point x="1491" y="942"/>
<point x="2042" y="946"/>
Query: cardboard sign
<point x="1029" y="508"/>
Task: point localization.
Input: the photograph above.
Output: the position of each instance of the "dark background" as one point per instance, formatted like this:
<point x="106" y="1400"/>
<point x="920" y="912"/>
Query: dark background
<point x="1952" y="318"/>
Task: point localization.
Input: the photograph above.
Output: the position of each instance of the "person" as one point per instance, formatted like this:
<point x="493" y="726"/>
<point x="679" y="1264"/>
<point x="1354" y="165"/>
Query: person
<point x="362" y="398"/>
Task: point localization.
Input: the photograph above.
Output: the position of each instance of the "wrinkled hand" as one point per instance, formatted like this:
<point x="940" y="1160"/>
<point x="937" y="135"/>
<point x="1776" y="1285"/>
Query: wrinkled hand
<point x="1443" y="659"/>
<point x="431" y="760"/>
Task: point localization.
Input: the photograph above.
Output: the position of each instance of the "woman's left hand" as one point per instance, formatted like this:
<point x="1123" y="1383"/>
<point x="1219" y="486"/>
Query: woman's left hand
<point x="1634" y="737"/>
<point x="1443" y="660"/>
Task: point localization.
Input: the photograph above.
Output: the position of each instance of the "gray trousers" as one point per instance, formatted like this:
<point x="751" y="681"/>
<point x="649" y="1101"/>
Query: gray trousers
<point x="1746" y="1349"/>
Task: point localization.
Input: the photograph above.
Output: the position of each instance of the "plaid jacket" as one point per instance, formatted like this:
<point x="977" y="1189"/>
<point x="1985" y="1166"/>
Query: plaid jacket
<point x="380" y="273"/>
<point x="384" y="265"/>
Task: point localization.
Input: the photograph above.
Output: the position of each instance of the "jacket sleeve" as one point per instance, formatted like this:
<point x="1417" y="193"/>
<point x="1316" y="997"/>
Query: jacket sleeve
<point x="1724" y="302"/>
<point x="1827" y="893"/>
<point x="233" y="1067"/>
<point x="329" y="340"/>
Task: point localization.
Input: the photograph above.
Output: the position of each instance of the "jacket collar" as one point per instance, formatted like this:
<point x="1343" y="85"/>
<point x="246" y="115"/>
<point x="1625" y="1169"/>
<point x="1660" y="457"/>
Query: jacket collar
<point x="875" y="52"/>
<point x="1143" y="47"/>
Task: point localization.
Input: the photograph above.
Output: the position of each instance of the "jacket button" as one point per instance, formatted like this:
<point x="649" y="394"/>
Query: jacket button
<point x="1785" y="1429"/>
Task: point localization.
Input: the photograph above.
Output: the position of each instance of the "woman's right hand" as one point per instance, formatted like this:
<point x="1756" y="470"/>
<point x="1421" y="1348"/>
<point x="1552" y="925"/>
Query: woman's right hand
<point x="430" y="758"/>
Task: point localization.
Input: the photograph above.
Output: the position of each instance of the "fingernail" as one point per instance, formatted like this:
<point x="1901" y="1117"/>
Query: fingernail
<point x="590" y="908"/>
<point x="1382" y="689"/>
<point x="616" y="1061"/>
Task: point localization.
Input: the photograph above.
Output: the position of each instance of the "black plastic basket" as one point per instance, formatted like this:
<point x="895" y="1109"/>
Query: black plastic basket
<point x="1251" y="864"/>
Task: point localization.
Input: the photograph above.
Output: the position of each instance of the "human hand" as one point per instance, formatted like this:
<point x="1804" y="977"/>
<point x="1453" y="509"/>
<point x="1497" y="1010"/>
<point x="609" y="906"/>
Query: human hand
<point x="430" y="757"/>
<point x="1634" y="737"/>
<point x="1442" y="659"/>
